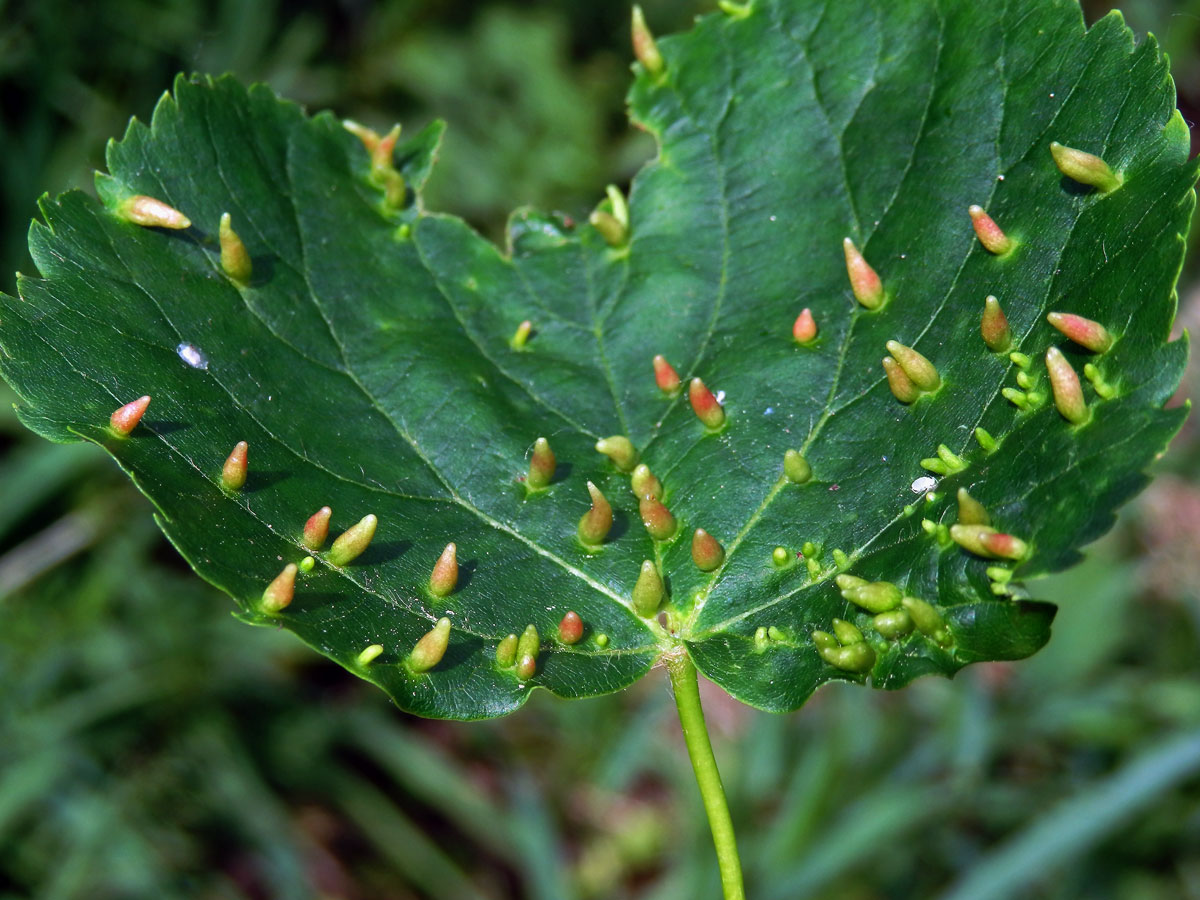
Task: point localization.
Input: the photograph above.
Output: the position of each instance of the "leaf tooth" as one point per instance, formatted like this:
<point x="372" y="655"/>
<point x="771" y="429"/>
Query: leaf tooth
<point x="281" y="590"/>
<point x="644" y="482"/>
<point x="541" y="465"/>
<point x="595" y="524"/>
<point x="316" y="529"/>
<point x="233" y="473"/>
<point x="521" y="336"/>
<point x="970" y="510"/>
<point x="665" y="375"/>
<point x="351" y="543"/>
<point x="431" y="647"/>
<point x="235" y="258"/>
<point x="707" y="552"/>
<point x="988" y="542"/>
<point x="899" y="383"/>
<point x="1086" y="168"/>
<point x="444" y="578"/>
<point x="795" y="467"/>
<point x="369" y="654"/>
<point x="649" y="591"/>
<point x="1064" y="384"/>
<point x="1084" y="332"/>
<point x="152" y="213"/>
<point x="620" y="450"/>
<point x="989" y="233"/>
<point x="506" y="651"/>
<point x="804" y="329"/>
<point x="920" y="371"/>
<point x="644" y="46"/>
<point x="864" y="281"/>
<point x="705" y="405"/>
<point x="570" y="628"/>
<point x="659" y="522"/>
<point x="994" y="326"/>
<point x="125" y="419"/>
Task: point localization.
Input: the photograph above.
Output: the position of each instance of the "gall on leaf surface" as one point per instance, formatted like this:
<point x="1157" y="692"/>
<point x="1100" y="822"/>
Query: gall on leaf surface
<point x="366" y="356"/>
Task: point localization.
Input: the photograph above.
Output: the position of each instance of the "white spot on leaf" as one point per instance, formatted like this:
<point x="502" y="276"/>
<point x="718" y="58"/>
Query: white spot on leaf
<point x="923" y="484"/>
<point x="193" y="356"/>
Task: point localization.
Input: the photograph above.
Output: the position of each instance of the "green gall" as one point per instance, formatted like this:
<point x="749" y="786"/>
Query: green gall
<point x="649" y="591"/>
<point x="989" y="233"/>
<point x="521" y="336"/>
<point x="369" y="654"/>
<point x="233" y="472"/>
<point x="644" y="46"/>
<point x="529" y="643"/>
<point x="657" y="519"/>
<point x="796" y="468"/>
<point x="994" y="326"/>
<point x="985" y="440"/>
<point x="316" y="529"/>
<point x="570" y="628"/>
<point x="864" y="282"/>
<point x="444" y="577"/>
<point x="596" y="523"/>
<point x="876" y="597"/>
<point x="541" y="465"/>
<point x="899" y="383"/>
<point x="125" y="419"/>
<point x="920" y="371"/>
<point x="776" y="634"/>
<point x="1020" y="360"/>
<point x="846" y="632"/>
<point x="760" y="637"/>
<point x="431" y="647"/>
<point x="235" y="258"/>
<point x="620" y="450"/>
<point x="970" y="510"/>
<point x="280" y="591"/>
<point x="506" y="652"/>
<point x="1086" y="168"/>
<point x="353" y="541"/>
<point x="814" y="567"/>
<point x="1065" y="386"/>
<point x="840" y="559"/>
<point x="780" y="557"/>
<point x="856" y="658"/>
<point x="953" y="461"/>
<point x="307" y="565"/>
<point x="614" y="233"/>
<point x="707" y="552"/>
<point x="151" y="213"/>
<point x="602" y="641"/>
<point x="894" y="624"/>
<point x="644" y="482"/>
<point x="928" y="620"/>
<point x="988" y="542"/>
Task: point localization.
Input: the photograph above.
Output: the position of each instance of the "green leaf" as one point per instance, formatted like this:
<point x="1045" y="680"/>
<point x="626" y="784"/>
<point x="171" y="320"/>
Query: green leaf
<point x="369" y="359"/>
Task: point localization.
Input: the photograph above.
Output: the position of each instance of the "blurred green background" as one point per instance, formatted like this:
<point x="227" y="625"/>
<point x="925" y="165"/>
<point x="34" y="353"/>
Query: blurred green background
<point x="152" y="747"/>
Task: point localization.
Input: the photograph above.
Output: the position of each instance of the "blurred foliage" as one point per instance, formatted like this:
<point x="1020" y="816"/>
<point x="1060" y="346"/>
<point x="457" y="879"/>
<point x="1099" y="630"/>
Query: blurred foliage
<point x="150" y="746"/>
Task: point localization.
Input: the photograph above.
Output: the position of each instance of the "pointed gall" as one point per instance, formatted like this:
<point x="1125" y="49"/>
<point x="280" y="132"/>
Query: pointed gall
<point x="506" y="651"/>
<point x="876" y="597"/>
<point x="644" y="47"/>
<point x="804" y="329"/>
<point x="142" y="210"/>
<point x="431" y="647"/>
<point x="665" y="375"/>
<point x="988" y="542"/>
<point x="620" y="207"/>
<point x="1064" y="384"/>
<point x="529" y="643"/>
<point x="649" y="591"/>
<point x="994" y="326"/>
<point x="849" y="582"/>
<point x="369" y="136"/>
<point x="1084" y="332"/>
<point x="868" y="289"/>
<point x="620" y="450"/>
<point x="570" y="629"/>
<point x="235" y="258"/>
<point x="352" y="542"/>
<point x="894" y="624"/>
<point x="920" y="371"/>
<point x="541" y="465"/>
<point x="527" y="667"/>
<point x="928" y="620"/>
<point x="444" y="578"/>
<point x="233" y="473"/>
<point x="795" y="467"/>
<point x="899" y="383"/>
<point x="985" y="439"/>
<point x="970" y="510"/>
<point x="705" y="405"/>
<point x="644" y="482"/>
<point x="857" y="657"/>
<point x="595" y="524"/>
<point x="707" y="552"/>
<point x="993" y="239"/>
<point x="125" y="419"/>
<point x="521" y="336"/>
<point x="840" y="559"/>
<point x="383" y="152"/>
<point x="1085" y="168"/>
<point x="279" y="592"/>
<point x="659" y="522"/>
<point x="369" y="654"/>
<point x="846" y="632"/>
<point x="614" y="233"/>
<point x="316" y="529"/>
